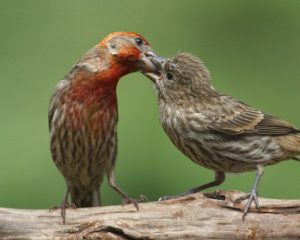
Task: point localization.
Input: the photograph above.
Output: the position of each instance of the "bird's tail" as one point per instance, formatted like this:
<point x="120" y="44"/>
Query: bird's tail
<point x="82" y="198"/>
<point x="296" y="158"/>
<point x="291" y="145"/>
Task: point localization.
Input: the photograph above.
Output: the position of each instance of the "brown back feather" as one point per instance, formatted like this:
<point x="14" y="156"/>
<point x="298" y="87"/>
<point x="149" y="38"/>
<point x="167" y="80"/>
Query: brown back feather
<point x="246" y="120"/>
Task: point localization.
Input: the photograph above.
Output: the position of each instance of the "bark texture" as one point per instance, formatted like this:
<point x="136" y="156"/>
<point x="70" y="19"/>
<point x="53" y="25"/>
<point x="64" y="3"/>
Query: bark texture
<point x="198" y="216"/>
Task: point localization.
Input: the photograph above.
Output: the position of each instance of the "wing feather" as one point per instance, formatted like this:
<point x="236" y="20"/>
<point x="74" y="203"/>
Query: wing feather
<point x="243" y="119"/>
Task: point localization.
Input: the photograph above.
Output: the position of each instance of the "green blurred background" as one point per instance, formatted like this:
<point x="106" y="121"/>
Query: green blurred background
<point x="252" y="49"/>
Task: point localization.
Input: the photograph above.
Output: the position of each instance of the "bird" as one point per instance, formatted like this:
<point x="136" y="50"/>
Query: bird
<point x="215" y="130"/>
<point x="83" y="116"/>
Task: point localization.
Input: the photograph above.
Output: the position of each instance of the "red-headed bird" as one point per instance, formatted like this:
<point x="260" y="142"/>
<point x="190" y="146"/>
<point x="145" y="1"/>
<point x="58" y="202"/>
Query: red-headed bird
<point x="83" y="116"/>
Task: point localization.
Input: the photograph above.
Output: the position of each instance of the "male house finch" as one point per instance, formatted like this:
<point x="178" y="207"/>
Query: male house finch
<point x="214" y="130"/>
<point x="83" y="116"/>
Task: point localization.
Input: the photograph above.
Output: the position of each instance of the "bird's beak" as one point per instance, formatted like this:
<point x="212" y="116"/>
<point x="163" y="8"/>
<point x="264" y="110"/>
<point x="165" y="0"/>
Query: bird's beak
<point x="154" y="77"/>
<point x="146" y="61"/>
<point x="158" y="63"/>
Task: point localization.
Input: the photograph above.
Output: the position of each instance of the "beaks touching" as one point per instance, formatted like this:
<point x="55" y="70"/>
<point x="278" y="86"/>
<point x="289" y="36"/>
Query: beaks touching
<point x="153" y="76"/>
<point x="145" y="60"/>
<point x="158" y="63"/>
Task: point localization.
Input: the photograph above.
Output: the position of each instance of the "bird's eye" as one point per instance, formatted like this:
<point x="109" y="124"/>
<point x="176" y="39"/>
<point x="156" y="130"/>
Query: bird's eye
<point x="169" y="76"/>
<point x="138" y="41"/>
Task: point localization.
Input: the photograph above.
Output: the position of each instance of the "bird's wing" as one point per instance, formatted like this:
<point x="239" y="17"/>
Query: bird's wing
<point x="52" y="107"/>
<point x="55" y="100"/>
<point x="236" y="118"/>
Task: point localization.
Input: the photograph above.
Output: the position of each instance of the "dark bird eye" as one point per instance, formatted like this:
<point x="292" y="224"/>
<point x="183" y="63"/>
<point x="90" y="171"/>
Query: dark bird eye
<point x="138" y="41"/>
<point x="169" y="76"/>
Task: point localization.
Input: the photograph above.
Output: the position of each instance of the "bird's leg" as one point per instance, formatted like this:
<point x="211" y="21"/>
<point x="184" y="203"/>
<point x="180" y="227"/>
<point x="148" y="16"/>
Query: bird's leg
<point x="126" y="198"/>
<point x="98" y="198"/>
<point x="64" y="205"/>
<point x="219" y="179"/>
<point x="252" y="196"/>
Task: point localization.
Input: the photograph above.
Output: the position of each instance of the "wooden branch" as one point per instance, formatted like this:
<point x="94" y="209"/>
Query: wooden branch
<point x="198" y="216"/>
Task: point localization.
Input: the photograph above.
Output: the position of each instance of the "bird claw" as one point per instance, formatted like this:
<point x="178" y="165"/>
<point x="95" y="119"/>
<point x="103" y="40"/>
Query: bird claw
<point x="252" y="196"/>
<point x="63" y="206"/>
<point x="128" y="200"/>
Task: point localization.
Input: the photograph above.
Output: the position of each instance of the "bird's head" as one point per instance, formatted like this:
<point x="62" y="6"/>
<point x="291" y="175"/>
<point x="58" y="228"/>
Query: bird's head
<point x="181" y="77"/>
<point x="129" y="50"/>
<point x="100" y="69"/>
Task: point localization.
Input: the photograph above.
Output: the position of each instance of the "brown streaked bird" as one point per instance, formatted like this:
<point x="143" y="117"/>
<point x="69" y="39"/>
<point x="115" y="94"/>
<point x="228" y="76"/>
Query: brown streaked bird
<point x="217" y="131"/>
<point x="83" y="116"/>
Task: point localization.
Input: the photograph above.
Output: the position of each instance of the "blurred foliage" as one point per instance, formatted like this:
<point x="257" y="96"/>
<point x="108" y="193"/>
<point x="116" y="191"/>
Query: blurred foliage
<point x="251" y="48"/>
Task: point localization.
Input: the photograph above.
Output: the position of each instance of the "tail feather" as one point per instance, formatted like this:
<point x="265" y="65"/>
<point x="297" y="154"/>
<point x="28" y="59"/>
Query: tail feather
<point x="296" y="158"/>
<point x="290" y="144"/>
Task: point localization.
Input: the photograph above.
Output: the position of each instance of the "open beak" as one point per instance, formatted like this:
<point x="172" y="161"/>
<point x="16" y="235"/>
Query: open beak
<point x="154" y="77"/>
<point x="155" y="74"/>
<point x="146" y="63"/>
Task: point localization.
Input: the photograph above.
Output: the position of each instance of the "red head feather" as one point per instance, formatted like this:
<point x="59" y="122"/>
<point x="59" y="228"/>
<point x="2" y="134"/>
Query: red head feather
<point x="125" y="34"/>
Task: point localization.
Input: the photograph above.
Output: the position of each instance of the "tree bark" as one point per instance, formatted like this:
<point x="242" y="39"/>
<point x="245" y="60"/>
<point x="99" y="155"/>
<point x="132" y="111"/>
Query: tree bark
<point x="199" y="216"/>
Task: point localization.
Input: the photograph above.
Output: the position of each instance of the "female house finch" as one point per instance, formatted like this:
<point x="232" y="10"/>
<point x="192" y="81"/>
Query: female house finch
<point x="214" y="130"/>
<point x="83" y="116"/>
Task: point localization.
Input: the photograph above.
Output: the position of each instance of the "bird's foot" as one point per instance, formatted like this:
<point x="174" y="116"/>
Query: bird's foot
<point x="63" y="206"/>
<point x="128" y="200"/>
<point x="252" y="196"/>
